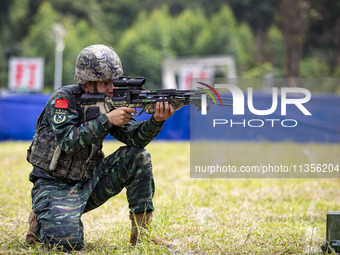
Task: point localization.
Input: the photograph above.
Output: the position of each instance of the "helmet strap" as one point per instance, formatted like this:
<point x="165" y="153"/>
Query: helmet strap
<point x="95" y="90"/>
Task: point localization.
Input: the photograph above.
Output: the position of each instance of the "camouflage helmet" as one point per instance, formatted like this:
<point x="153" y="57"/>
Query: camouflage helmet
<point x="97" y="63"/>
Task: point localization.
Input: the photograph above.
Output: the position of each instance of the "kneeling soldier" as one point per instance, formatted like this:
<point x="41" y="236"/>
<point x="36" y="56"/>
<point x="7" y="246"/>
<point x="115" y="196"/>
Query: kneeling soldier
<point x="71" y="175"/>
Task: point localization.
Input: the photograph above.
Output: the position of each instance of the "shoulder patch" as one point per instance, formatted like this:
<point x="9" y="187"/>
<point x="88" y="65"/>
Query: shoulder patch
<point x="59" y="115"/>
<point x="61" y="103"/>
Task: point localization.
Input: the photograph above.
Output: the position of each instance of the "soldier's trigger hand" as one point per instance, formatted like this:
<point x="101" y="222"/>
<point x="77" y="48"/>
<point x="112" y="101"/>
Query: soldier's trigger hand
<point x="120" y="116"/>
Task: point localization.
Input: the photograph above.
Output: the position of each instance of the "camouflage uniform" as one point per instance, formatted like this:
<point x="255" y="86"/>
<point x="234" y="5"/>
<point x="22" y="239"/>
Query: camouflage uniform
<point x="62" y="191"/>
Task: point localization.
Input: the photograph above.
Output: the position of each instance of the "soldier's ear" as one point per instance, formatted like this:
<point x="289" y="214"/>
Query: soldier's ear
<point x="86" y="87"/>
<point x="90" y="87"/>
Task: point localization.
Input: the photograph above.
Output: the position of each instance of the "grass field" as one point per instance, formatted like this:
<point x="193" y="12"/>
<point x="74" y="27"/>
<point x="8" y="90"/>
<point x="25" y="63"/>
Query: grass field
<point x="203" y="216"/>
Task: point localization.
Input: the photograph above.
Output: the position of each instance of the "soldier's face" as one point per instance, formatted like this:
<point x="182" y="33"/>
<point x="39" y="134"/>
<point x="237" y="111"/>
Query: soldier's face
<point x="103" y="87"/>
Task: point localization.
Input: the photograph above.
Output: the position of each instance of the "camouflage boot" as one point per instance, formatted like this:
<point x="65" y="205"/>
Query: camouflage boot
<point x="31" y="237"/>
<point x="141" y="230"/>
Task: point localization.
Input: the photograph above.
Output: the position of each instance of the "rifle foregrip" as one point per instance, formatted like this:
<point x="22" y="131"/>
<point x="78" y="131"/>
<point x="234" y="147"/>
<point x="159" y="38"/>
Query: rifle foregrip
<point x="150" y="108"/>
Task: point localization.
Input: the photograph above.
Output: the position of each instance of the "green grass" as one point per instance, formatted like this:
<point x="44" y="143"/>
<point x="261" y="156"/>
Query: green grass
<point x="203" y="216"/>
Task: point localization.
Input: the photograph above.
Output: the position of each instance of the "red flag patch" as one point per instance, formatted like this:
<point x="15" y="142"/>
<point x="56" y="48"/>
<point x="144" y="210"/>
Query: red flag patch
<point x="61" y="103"/>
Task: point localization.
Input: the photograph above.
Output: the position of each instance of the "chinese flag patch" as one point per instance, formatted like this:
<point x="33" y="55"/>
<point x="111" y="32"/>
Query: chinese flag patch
<point x="61" y="103"/>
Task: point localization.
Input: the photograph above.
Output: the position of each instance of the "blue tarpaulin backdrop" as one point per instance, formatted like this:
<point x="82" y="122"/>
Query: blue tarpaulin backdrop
<point x="19" y="112"/>
<point x="322" y="126"/>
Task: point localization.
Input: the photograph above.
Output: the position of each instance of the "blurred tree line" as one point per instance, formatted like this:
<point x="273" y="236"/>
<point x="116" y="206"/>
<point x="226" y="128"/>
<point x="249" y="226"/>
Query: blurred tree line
<point x="288" y="38"/>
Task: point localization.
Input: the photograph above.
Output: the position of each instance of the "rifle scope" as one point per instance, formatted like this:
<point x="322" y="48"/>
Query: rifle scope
<point x="128" y="82"/>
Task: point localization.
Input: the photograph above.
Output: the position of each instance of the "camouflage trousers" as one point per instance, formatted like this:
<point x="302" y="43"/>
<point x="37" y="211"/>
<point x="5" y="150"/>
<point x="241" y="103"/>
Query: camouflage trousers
<point x="58" y="205"/>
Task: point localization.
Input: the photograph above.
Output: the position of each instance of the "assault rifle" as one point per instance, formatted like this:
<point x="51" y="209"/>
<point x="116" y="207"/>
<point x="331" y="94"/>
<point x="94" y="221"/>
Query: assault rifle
<point x="131" y="93"/>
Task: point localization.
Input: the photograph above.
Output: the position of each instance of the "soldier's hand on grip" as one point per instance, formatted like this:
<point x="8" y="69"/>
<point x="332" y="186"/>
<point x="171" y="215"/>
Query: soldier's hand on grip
<point x="164" y="110"/>
<point x="120" y="116"/>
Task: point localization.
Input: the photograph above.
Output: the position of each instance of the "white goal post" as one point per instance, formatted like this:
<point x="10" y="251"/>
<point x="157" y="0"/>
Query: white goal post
<point x="204" y="67"/>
